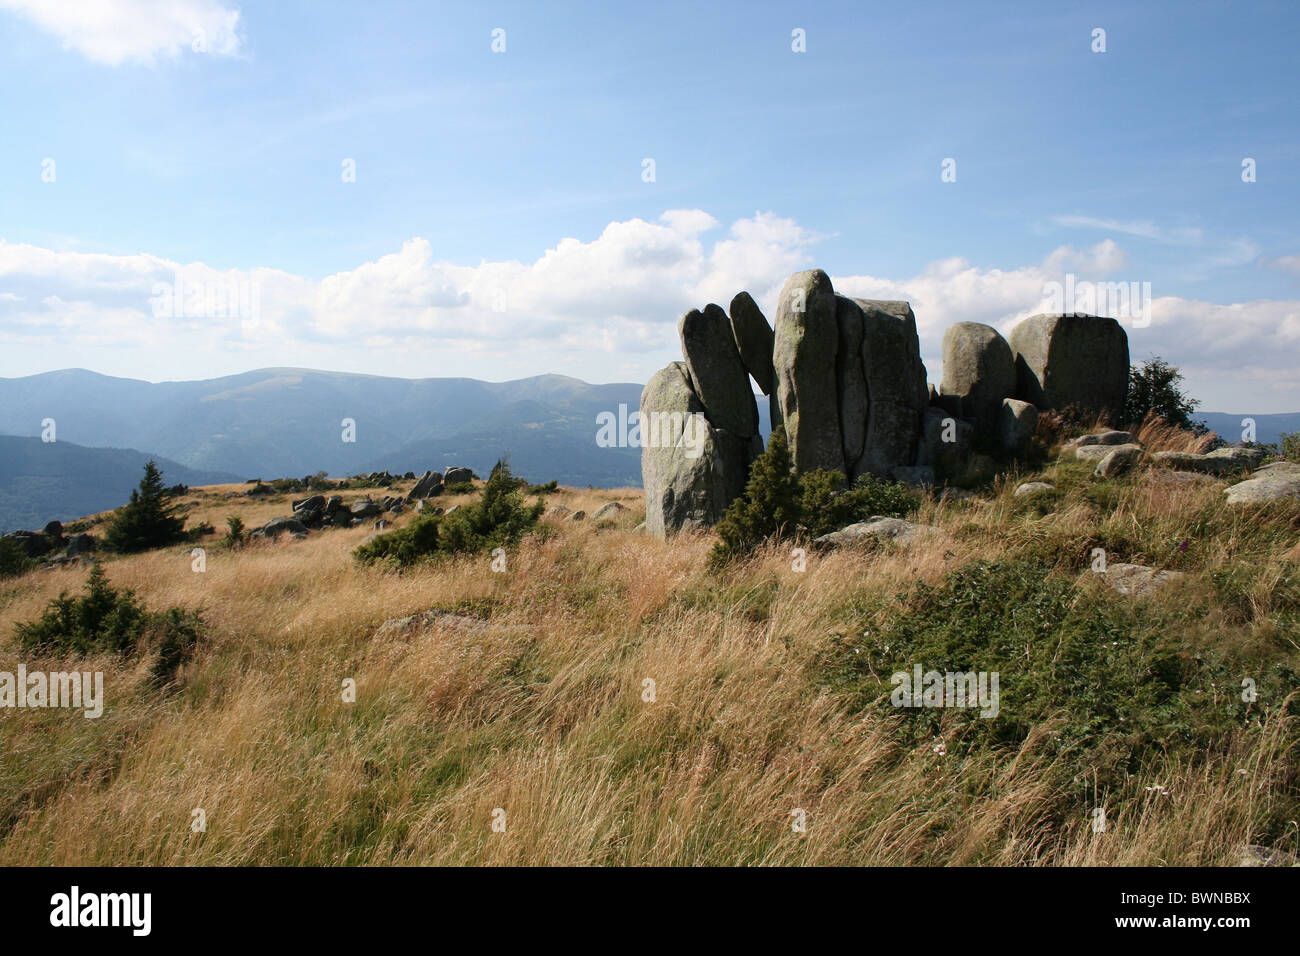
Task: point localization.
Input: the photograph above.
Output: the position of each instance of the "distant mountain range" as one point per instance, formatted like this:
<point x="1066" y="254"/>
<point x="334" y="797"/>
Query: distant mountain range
<point x="42" y="482"/>
<point x="284" y="421"/>
<point x="280" y="422"/>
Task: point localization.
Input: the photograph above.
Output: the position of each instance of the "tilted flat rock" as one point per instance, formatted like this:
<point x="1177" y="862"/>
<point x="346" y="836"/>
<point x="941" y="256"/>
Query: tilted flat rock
<point x="1109" y="437"/>
<point x="717" y="373"/>
<point x="456" y="475"/>
<point x="1221" y="461"/>
<point x="1277" y="468"/>
<point x="851" y="378"/>
<point x="1032" y="488"/>
<point x="1072" y="360"/>
<point x="805" y="341"/>
<point x="897" y="395"/>
<point x="691" y="471"/>
<point x="1271" y="487"/>
<point x="884" y="529"/>
<point x="978" y="368"/>
<point x="753" y="337"/>
<point x="1098" y="452"/>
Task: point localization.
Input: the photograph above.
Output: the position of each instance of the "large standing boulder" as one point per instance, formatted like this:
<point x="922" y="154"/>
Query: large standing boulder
<point x="803" y="355"/>
<point x="717" y="373"/>
<point x="851" y="379"/>
<point x="754" y="340"/>
<point x="1072" y="360"/>
<point x="897" y="394"/>
<point x="690" y="470"/>
<point x="978" y="368"/>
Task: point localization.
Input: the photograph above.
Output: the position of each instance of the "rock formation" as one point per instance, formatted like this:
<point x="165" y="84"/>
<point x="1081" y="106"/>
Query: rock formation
<point x="845" y="379"/>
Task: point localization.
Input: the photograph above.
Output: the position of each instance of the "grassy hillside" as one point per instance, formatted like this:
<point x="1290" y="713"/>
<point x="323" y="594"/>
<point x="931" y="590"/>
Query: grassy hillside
<point x="530" y="697"/>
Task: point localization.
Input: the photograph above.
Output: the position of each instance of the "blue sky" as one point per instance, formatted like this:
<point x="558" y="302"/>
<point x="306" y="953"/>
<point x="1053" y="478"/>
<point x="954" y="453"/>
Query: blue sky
<point x="519" y="175"/>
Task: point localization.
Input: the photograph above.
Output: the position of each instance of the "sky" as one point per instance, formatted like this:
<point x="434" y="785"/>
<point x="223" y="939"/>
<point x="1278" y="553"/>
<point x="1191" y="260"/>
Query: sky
<point x="195" y="188"/>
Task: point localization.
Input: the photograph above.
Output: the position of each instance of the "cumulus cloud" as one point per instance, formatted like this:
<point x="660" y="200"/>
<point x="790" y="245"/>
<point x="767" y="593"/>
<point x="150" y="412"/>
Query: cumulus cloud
<point x="113" y="32"/>
<point x="600" y="308"/>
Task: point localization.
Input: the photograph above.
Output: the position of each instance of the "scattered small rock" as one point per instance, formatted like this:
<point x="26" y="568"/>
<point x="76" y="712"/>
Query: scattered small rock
<point x="1033" y="488"/>
<point x="1118" y="461"/>
<point x="888" y="529"/>
<point x="411" y="624"/>
<point x="1255" y="855"/>
<point x="1098" y="451"/>
<point x="1138" y="579"/>
<point x="1270" y="487"/>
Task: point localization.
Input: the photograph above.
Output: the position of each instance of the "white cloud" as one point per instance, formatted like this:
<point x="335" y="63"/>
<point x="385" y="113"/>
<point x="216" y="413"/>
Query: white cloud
<point x="117" y="31"/>
<point x="1143" y="229"/>
<point x="601" y="309"/>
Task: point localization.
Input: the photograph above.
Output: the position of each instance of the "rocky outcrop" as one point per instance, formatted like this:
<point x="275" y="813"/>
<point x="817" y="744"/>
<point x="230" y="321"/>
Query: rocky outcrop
<point x="846" y="382"/>
<point x="979" y="370"/>
<point x="456" y="475"/>
<point x="1077" y="362"/>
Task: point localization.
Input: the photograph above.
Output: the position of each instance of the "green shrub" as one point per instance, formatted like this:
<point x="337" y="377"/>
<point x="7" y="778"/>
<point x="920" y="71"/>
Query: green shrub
<point x="147" y="521"/>
<point x="13" y="559"/>
<point x="1119" y="683"/>
<point x="461" y="488"/>
<point x="769" y="508"/>
<point x="1156" y="386"/>
<point x="552" y="485"/>
<point x="497" y="519"/>
<point x="1290" y="446"/>
<point x="777" y="504"/>
<point x="234" y="531"/>
<point x="106" y="619"/>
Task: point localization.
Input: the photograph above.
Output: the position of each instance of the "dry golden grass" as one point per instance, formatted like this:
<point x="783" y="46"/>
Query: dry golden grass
<point x="1156" y="434"/>
<point x="539" y="711"/>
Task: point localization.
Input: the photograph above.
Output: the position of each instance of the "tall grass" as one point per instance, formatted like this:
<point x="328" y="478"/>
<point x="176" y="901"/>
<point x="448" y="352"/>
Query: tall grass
<point x="531" y="698"/>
